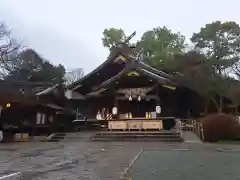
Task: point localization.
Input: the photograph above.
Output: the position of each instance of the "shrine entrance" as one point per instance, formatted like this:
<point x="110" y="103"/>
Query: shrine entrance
<point x="137" y="108"/>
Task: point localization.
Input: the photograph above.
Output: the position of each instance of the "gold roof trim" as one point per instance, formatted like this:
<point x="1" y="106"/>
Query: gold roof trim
<point x="133" y="73"/>
<point x="120" y="59"/>
<point x="169" y="87"/>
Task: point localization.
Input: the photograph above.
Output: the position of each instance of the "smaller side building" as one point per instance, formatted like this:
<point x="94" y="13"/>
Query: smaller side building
<point x="31" y="108"/>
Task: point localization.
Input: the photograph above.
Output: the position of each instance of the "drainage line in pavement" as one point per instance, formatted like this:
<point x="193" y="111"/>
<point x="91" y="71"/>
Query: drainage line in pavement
<point x="10" y="175"/>
<point x="131" y="163"/>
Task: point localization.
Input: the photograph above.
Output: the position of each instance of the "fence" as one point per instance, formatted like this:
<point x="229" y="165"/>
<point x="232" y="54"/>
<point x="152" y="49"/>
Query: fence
<point x="194" y="126"/>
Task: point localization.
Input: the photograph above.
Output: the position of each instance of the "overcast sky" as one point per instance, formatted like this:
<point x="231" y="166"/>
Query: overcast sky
<point x="69" y="31"/>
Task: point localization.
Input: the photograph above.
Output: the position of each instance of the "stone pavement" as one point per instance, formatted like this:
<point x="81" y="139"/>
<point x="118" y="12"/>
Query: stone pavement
<point x="185" y="165"/>
<point x="190" y="137"/>
<point x="95" y="160"/>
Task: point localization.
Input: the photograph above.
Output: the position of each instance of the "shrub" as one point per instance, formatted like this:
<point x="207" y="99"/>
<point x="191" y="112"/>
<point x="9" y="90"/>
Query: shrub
<point x="220" y="127"/>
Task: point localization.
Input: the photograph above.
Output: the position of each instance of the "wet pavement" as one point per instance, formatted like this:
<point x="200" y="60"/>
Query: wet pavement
<point x="87" y="160"/>
<point x="190" y="137"/>
<point x="185" y="165"/>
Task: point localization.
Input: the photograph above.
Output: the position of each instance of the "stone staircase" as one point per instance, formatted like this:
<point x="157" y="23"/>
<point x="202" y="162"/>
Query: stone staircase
<point x="72" y="137"/>
<point x="79" y="136"/>
<point x="145" y="136"/>
<point x="133" y="136"/>
<point x="56" y="137"/>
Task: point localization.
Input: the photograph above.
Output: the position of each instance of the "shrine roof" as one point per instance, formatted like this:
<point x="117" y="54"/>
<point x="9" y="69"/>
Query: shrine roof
<point x="26" y="93"/>
<point x="48" y="90"/>
<point x="136" y="70"/>
<point x="121" y="49"/>
<point x="120" y="57"/>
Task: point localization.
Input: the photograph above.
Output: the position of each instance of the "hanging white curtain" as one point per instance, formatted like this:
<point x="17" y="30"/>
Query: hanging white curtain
<point x="39" y="115"/>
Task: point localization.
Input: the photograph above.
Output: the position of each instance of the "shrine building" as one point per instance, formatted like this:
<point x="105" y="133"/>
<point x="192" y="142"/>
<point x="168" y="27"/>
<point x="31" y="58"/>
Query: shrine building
<point x="125" y="93"/>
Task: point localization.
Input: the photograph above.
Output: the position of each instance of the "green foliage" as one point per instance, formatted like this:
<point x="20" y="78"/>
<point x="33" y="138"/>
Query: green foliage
<point x="233" y="92"/>
<point x="220" y="42"/>
<point x="112" y="36"/>
<point x="205" y="69"/>
<point x="159" y="44"/>
<point x="193" y="70"/>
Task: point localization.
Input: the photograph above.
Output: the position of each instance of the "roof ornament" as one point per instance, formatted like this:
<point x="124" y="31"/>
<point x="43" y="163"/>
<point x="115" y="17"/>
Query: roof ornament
<point x="130" y="37"/>
<point x="126" y="41"/>
<point x="140" y="55"/>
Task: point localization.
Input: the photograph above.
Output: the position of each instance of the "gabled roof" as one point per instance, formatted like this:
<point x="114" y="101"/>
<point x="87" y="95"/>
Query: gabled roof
<point x="120" y="49"/>
<point x="137" y="68"/>
<point x="48" y="90"/>
<point x="116" y="52"/>
<point x="22" y="92"/>
<point x="153" y="70"/>
<point x="22" y="88"/>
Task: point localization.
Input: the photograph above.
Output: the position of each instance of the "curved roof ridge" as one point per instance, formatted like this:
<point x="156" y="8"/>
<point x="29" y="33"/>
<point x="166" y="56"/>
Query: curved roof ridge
<point x="162" y="73"/>
<point x="131" y="68"/>
<point x="113" y="53"/>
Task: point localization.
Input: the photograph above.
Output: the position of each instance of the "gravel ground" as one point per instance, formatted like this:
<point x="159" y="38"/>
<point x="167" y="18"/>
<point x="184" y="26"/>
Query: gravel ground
<point x="91" y="160"/>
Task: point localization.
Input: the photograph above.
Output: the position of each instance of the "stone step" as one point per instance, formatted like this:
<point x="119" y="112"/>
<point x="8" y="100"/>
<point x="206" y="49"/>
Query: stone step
<point x="57" y="137"/>
<point x="118" y="136"/>
<point x="138" y="140"/>
<point x="53" y="140"/>
<point x="125" y="133"/>
<point x="77" y="138"/>
<point x="138" y="136"/>
<point x="60" y="134"/>
<point x="172" y="136"/>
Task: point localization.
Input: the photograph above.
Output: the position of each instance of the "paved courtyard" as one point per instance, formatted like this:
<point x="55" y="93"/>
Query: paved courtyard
<point x="109" y="160"/>
<point x="185" y="165"/>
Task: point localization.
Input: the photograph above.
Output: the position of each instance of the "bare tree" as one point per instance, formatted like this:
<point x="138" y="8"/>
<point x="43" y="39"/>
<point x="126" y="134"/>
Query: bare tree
<point x="74" y="76"/>
<point x="8" y="52"/>
<point x="236" y="69"/>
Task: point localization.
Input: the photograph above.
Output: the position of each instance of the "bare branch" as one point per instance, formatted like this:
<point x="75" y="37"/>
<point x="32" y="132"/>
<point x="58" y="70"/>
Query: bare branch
<point x="236" y="69"/>
<point x="8" y="52"/>
<point x="74" y="76"/>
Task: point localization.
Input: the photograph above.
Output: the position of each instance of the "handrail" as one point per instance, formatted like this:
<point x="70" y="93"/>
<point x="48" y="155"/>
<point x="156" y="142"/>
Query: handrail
<point x="195" y="127"/>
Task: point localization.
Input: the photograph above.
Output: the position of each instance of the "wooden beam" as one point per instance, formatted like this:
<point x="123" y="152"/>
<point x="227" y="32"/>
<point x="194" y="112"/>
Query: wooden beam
<point x="169" y="87"/>
<point x="96" y="93"/>
<point x="133" y="66"/>
<point x="160" y="79"/>
<point x="76" y="87"/>
<point x="145" y="97"/>
<point x="153" y="70"/>
<point x="114" y="78"/>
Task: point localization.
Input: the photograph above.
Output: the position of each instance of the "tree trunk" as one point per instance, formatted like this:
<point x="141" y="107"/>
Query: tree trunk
<point x="236" y="110"/>
<point x="220" y="104"/>
<point x="217" y="105"/>
<point x="206" y="109"/>
<point x="206" y="104"/>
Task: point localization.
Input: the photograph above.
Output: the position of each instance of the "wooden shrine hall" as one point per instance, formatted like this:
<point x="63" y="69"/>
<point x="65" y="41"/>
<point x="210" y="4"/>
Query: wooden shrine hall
<point x="125" y="93"/>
